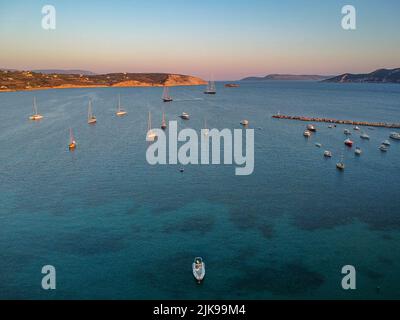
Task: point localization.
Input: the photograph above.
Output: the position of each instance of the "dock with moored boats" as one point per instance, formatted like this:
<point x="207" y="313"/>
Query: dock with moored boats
<point x="336" y="121"/>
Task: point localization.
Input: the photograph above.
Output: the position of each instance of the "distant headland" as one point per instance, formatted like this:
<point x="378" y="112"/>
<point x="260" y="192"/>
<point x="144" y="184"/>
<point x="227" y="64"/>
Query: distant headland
<point x="288" y="77"/>
<point x="377" y="76"/>
<point x="13" y="80"/>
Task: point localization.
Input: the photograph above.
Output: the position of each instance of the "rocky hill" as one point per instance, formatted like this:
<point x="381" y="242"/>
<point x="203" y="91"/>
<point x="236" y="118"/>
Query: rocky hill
<point x="28" y="80"/>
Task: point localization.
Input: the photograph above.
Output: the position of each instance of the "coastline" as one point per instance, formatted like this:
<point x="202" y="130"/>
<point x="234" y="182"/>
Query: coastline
<point x="99" y="86"/>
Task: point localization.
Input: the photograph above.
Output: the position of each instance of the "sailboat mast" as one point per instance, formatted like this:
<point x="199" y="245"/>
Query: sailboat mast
<point x="90" y="109"/>
<point x="149" y="122"/>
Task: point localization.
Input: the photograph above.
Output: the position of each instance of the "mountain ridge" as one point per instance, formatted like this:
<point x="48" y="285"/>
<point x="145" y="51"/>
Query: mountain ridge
<point x="287" y="77"/>
<point x="377" y="76"/>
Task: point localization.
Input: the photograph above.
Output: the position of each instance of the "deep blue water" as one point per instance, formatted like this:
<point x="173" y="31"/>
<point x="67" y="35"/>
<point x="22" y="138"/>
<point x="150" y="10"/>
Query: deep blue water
<point x="116" y="227"/>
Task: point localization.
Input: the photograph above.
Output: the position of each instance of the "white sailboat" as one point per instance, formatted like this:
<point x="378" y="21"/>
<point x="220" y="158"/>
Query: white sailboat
<point x="206" y="131"/>
<point x="91" y="118"/>
<point x="72" y="142"/>
<point x="120" y="111"/>
<point x="163" y="122"/>
<point x="211" y="89"/>
<point x="166" y="97"/>
<point x="35" y="116"/>
<point x="151" y="135"/>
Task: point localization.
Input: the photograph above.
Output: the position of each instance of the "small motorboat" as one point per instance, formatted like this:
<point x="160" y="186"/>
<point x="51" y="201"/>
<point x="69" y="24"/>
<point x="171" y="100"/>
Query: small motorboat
<point x="348" y="142"/>
<point x="330" y="126"/>
<point x="340" y="165"/>
<point x="318" y="145"/>
<point x="364" y="136"/>
<point x="199" y="269"/>
<point x="386" y="143"/>
<point x="327" y="154"/>
<point x="358" y="151"/>
<point x="383" y="148"/>
<point x="185" y="116"/>
<point x="307" y="133"/>
<point x="356" y="128"/>
<point x="347" y="132"/>
<point x="395" y="135"/>
<point x="244" y="122"/>
<point x="311" y="128"/>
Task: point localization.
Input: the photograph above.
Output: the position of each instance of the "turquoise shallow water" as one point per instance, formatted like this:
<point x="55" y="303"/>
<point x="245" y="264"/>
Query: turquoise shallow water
<point x="115" y="227"/>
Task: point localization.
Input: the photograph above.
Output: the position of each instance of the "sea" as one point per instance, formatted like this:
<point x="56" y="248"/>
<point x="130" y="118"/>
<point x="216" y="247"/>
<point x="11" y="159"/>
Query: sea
<point x="115" y="227"/>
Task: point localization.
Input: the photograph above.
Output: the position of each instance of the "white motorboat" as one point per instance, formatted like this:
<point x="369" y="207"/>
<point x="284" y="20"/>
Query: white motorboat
<point x="185" y="116"/>
<point x="199" y="269"/>
<point x="307" y="133"/>
<point x="311" y="128"/>
<point x="383" y="148"/>
<point x="358" y="151"/>
<point x="327" y="154"/>
<point x="318" y="145"/>
<point x="347" y="132"/>
<point x="395" y="135"/>
<point x="244" y="122"/>
<point x="340" y="165"/>
<point x="356" y="128"/>
<point x="364" y="136"/>
<point x="386" y="143"/>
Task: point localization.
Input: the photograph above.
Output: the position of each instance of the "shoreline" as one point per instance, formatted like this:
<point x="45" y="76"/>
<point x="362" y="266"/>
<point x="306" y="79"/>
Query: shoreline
<point x="99" y="86"/>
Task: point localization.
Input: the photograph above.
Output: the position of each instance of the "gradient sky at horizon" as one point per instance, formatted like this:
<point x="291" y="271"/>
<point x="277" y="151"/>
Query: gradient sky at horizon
<point x="226" y="39"/>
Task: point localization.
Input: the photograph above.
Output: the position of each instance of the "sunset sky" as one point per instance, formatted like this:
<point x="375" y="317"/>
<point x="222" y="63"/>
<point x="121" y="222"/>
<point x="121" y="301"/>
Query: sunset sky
<point x="228" y="39"/>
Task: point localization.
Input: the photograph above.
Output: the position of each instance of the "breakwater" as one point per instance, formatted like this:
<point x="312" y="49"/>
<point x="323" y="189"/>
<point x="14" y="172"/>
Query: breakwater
<point x="336" y="121"/>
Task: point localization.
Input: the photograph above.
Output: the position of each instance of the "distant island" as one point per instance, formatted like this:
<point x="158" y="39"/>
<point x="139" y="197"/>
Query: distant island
<point x="292" y="77"/>
<point x="11" y="80"/>
<point x="377" y="76"/>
